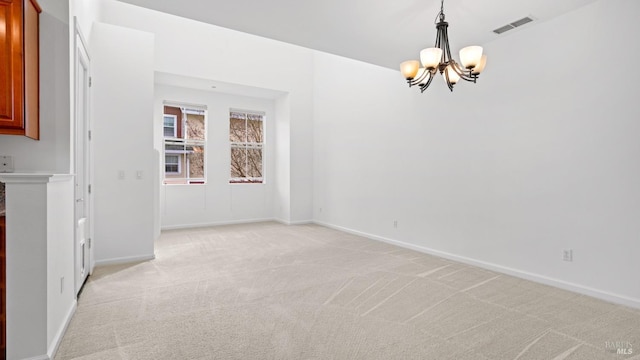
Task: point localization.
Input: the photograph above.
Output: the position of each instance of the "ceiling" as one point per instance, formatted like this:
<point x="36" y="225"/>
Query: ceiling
<point x="215" y="86"/>
<point x="380" y="32"/>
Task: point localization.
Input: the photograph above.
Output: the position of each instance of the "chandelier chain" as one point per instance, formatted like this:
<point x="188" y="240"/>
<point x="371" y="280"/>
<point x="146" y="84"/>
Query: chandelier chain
<point x="440" y="15"/>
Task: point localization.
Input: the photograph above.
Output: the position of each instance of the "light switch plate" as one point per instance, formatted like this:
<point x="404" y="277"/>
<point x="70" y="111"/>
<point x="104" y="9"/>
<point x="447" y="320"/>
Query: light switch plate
<point x="6" y="164"/>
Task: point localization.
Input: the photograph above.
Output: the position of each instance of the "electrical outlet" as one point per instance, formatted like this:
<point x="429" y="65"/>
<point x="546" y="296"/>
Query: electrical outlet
<point x="6" y="164"/>
<point x="121" y="174"/>
<point x="567" y="255"/>
<point x="395" y="224"/>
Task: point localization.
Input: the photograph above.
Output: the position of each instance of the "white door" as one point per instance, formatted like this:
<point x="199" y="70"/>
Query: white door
<point x="83" y="246"/>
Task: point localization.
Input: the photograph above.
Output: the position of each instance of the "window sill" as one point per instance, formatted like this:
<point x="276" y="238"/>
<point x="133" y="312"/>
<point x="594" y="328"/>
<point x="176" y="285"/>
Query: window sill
<point x="247" y="183"/>
<point x="184" y="184"/>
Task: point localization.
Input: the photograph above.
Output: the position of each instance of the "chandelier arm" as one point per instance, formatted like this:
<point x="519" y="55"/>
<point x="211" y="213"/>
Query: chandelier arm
<point x="469" y="79"/>
<point x="465" y="75"/>
<point x="424" y="86"/>
<point x="442" y="43"/>
<point x="445" y="36"/>
<point x="459" y="69"/>
<point x="418" y="80"/>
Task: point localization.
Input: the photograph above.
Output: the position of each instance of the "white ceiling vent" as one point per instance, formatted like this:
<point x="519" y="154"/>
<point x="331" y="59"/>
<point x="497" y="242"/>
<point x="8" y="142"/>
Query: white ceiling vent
<point x="513" y="25"/>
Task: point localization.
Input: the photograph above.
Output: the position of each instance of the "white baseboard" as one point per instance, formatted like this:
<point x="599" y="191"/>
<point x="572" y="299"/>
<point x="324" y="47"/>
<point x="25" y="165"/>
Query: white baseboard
<point x="40" y="357"/>
<point x="299" y="222"/>
<point x="215" y="223"/>
<point x="55" y="344"/>
<point x="125" y="260"/>
<point x="57" y="339"/>
<point x="585" y="290"/>
<point x="235" y="222"/>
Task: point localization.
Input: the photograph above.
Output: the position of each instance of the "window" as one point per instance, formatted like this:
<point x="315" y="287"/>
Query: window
<point x="170" y="126"/>
<point x="246" y="134"/>
<point x="172" y="164"/>
<point x="184" y="144"/>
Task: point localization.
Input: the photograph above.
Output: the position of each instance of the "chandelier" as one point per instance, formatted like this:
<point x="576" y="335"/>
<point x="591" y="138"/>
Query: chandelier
<point x="439" y="58"/>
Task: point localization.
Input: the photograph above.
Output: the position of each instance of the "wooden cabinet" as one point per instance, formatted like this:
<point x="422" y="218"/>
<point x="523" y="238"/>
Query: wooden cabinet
<point x="19" y="63"/>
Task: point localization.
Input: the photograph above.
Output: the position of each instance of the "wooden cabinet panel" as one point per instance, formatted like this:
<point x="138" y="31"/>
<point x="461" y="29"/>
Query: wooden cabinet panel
<point x="19" y="69"/>
<point x="32" y="69"/>
<point x="11" y="105"/>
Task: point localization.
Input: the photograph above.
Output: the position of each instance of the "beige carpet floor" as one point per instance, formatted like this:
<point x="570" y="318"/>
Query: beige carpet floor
<point x="269" y="291"/>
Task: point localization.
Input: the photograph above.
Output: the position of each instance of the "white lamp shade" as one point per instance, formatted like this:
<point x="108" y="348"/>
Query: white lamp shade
<point x="470" y="56"/>
<point x="430" y="58"/>
<point x="478" y="69"/>
<point x="453" y="76"/>
<point x="409" y="69"/>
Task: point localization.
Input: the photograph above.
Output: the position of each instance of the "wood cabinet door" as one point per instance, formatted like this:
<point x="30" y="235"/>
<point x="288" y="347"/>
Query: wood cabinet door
<point x="11" y="68"/>
<point x="31" y="28"/>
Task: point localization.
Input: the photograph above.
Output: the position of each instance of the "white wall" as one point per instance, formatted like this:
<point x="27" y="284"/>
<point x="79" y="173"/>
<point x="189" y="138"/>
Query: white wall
<point x="39" y="252"/>
<point x="541" y="155"/>
<point x="122" y="109"/>
<point x="217" y="201"/>
<point x="61" y="296"/>
<point x="56" y="8"/>
<point x="27" y="283"/>
<point x="229" y="56"/>
<point x="282" y="187"/>
<point x="86" y="13"/>
<point x="366" y="140"/>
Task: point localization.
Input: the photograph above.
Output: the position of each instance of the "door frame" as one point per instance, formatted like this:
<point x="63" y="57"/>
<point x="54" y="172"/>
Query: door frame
<point x="81" y="53"/>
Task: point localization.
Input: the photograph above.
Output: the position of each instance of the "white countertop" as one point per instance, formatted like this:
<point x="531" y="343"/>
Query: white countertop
<point x="33" y="177"/>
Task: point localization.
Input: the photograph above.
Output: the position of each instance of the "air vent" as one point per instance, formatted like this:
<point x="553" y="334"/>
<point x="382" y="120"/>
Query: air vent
<point x="513" y="25"/>
<point x="503" y="29"/>
<point x="522" y="21"/>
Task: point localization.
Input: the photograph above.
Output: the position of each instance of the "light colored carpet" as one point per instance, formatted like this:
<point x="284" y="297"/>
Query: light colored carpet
<point x="270" y="291"/>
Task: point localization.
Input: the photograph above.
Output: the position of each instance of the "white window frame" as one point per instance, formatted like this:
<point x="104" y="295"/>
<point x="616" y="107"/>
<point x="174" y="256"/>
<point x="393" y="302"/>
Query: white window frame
<point x="249" y="145"/>
<point x="175" y="124"/>
<point x="183" y="154"/>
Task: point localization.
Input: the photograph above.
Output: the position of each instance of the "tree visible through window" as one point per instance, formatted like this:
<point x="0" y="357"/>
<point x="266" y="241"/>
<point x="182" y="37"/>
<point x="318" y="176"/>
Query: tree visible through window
<point x="246" y="134"/>
<point x="184" y="145"/>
